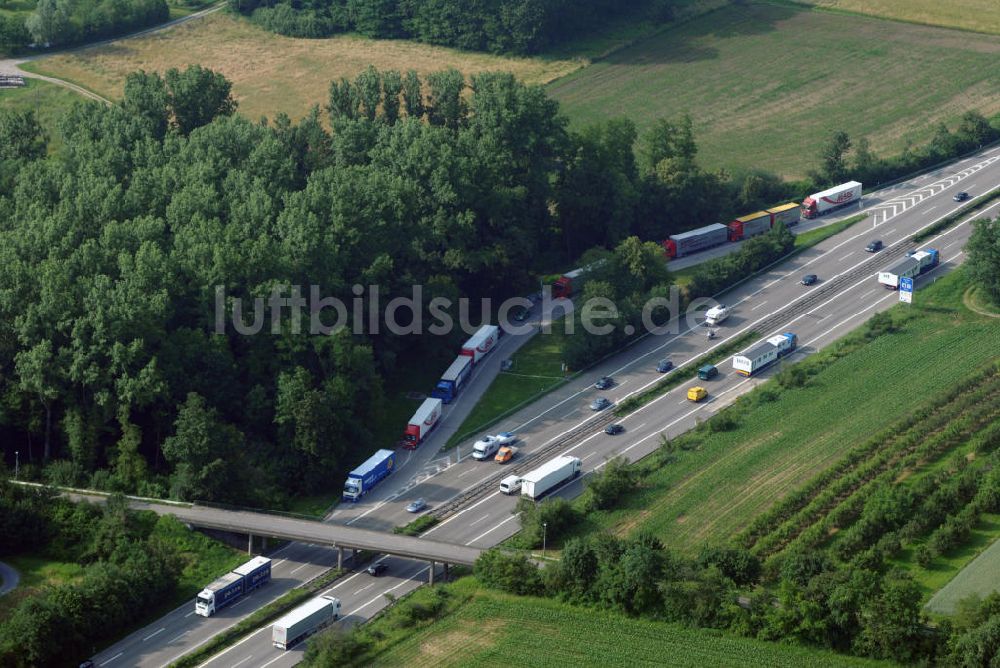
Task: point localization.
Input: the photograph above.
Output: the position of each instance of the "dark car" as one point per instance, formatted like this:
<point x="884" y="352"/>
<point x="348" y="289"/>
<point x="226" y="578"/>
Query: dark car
<point x="87" y="664"/>
<point x="664" y="366"/>
<point x="874" y="246"/>
<point x="520" y="314"/>
<point x="961" y="197"/>
<point x="604" y="383"/>
<point x="707" y="372"/>
<point x="809" y="279"/>
<point x="613" y="429"/>
<point x="377" y="568"/>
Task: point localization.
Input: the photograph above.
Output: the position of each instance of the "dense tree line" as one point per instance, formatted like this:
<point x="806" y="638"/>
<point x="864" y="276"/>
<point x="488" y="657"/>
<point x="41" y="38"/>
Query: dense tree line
<point x="984" y="257"/>
<point x="126" y="565"/>
<point x="498" y="26"/>
<point x="64" y="22"/>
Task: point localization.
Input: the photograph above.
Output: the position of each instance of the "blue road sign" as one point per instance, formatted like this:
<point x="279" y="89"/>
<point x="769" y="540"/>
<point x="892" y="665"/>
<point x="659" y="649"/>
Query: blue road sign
<point x="906" y="284"/>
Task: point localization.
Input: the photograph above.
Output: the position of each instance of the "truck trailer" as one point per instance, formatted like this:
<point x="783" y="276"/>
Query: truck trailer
<point x="453" y="380"/>
<point x="679" y="245"/>
<point x="481" y="343"/>
<point x="220" y="593"/>
<point x="422" y="423"/>
<point x="304" y="621"/>
<point x="550" y="475"/>
<point x="745" y="227"/>
<point x="911" y="266"/>
<point x="562" y="287"/>
<point x="763" y="354"/>
<point x="362" y="479"/>
<point x="832" y="198"/>
<point x="788" y="214"/>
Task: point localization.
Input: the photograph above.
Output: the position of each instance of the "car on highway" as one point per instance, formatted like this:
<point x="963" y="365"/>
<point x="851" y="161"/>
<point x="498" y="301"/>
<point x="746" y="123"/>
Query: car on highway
<point x="416" y="505"/>
<point x="506" y="438"/>
<point x="874" y="246"/>
<point x="520" y="314"/>
<point x="961" y="197"/>
<point x="664" y="366"/>
<point x="697" y="393"/>
<point x="708" y="372"/>
<point x="613" y="429"/>
<point x="809" y="279"/>
<point x="599" y="404"/>
<point x="504" y="455"/>
<point x="87" y="664"/>
<point x="604" y="383"/>
<point x="377" y="568"/>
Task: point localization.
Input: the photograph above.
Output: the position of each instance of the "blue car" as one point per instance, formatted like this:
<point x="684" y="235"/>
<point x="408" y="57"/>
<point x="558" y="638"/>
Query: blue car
<point x="664" y="366"/>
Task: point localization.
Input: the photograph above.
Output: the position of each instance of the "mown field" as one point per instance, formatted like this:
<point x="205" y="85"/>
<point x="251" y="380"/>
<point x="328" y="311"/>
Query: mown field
<point x="494" y="629"/>
<point x="766" y="83"/>
<point x="979" y="577"/>
<point x="977" y="15"/>
<point x="271" y="73"/>
<point x="722" y="480"/>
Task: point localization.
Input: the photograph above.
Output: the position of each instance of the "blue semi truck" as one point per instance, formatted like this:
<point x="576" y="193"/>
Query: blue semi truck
<point x="453" y="380"/>
<point x="362" y="479"/>
<point x="255" y="573"/>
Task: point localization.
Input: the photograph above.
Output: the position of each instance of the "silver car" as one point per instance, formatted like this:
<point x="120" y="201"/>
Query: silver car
<point x="599" y="404"/>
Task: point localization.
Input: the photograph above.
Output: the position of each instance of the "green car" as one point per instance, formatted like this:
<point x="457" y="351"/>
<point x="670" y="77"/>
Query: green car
<point x="708" y="372"/>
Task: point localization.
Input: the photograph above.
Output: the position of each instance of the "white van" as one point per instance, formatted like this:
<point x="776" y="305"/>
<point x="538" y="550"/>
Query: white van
<point x="510" y="485"/>
<point x="716" y="315"/>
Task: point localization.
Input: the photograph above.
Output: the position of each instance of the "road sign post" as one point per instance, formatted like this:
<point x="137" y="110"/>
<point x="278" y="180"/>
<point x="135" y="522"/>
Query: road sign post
<point x="906" y="290"/>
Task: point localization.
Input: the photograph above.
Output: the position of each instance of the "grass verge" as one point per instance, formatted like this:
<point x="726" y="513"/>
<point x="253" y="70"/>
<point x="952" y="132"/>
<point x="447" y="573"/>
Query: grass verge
<point x="970" y="570"/>
<point x="475" y="626"/>
<point x="262" y="616"/>
<point x="417" y="526"/>
<point x="778" y="439"/>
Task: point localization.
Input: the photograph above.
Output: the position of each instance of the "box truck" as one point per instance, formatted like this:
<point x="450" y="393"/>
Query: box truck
<point x="679" y="245"/>
<point x="220" y="593"/>
<point x="453" y="380"/>
<point x="422" y="423"/>
<point x="550" y="475"/>
<point x="745" y="227"/>
<point x="481" y="343"/>
<point x="832" y="198"/>
<point x="362" y="479"/>
<point x="304" y="621"/>
<point x="763" y="354"/>
<point x="911" y="266"/>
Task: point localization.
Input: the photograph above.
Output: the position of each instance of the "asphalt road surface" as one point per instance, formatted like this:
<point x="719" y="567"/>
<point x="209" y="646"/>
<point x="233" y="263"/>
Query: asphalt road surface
<point x="847" y="294"/>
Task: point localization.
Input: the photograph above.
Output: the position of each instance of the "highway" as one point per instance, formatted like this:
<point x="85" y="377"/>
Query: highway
<point x="846" y="294"/>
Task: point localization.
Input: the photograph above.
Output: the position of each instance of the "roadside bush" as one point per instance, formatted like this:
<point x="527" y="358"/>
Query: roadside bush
<point x="607" y="487"/>
<point x="548" y="519"/>
<point x="512" y="573"/>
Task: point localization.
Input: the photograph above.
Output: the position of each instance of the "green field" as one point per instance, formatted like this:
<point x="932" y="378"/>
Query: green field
<point x="978" y="577"/>
<point x="766" y="84"/>
<point x="494" y="629"/>
<point x="977" y="15"/>
<point x="722" y="480"/>
<point x="47" y="100"/>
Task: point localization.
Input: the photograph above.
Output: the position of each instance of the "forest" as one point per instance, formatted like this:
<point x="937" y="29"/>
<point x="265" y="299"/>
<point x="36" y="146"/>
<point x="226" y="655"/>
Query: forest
<point x="497" y="26"/>
<point x="112" y="372"/>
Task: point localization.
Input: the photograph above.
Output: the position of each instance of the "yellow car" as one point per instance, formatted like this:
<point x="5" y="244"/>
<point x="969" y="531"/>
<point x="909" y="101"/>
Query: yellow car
<point x="697" y="393"/>
<point x="504" y="454"/>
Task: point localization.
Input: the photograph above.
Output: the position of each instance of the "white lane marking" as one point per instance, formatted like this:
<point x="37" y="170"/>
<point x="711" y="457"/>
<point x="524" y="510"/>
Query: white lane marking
<point x="242" y="661"/>
<point x="949" y="245"/>
<point x="175" y="638"/>
<point x="929" y="209"/>
<point x="462" y="475"/>
<point x="849" y="318"/>
<point x="572" y="412"/>
<point x="362" y="607"/>
<point x="241" y="601"/>
<point x="764" y="303"/>
<point x="345" y="581"/>
<point x="481" y="519"/>
<point x="845" y="257"/>
<point x="277" y="563"/>
<point x="112" y="658"/>
<point x="280" y="656"/>
<point x="189" y="614"/>
<point x="367" y="586"/>
<point x="585" y="457"/>
<point x="639" y="427"/>
<point x="512" y="517"/>
<point x="892" y="230"/>
<point x="870" y="292"/>
<point x="299" y="568"/>
<point x="154" y="633"/>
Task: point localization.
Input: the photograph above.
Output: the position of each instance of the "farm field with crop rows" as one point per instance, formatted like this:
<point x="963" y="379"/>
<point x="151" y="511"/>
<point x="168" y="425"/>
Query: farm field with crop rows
<point x="720" y="481"/>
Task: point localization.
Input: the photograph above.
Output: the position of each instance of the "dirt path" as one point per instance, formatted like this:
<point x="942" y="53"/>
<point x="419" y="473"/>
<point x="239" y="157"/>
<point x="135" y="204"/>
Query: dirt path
<point x="971" y="305"/>
<point x="12" y="65"/>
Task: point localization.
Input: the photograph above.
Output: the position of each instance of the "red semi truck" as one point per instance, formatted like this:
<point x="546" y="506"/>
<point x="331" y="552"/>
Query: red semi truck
<point x="422" y="422"/>
<point x="832" y="198"/>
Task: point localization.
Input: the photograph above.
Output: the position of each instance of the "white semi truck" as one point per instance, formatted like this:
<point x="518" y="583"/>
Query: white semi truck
<point x="305" y="620"/>
<point x="550" y="475"/>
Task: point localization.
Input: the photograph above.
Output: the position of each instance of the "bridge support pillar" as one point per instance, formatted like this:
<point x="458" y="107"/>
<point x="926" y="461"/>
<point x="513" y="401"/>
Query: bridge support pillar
<point x="433" y="566"/>
<point x="340" y="558"/>
<point x="446" y="571"/>
<point x="354" y="556"/>
<point x="249" y="543"/>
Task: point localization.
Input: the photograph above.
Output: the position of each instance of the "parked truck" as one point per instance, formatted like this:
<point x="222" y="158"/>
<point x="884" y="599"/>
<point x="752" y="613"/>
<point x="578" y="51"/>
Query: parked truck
<point x="788" y="214"/>
<point x="451" y="383"/>
<point x="832" y="198"/>
<point x="763" y="354"/>
<point x="304" y="621"/>
<point x="255" y="573"/>
<point x="911" y="266"/>
<point x="679" y="245"/>
<point x="550" y="475"/>
<point x="362" y="479"/>
<point x="745" y="227"/>
<point x="562" y="287"/>
<point x="422" y="423"/>
<point x="481" y="343"/>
